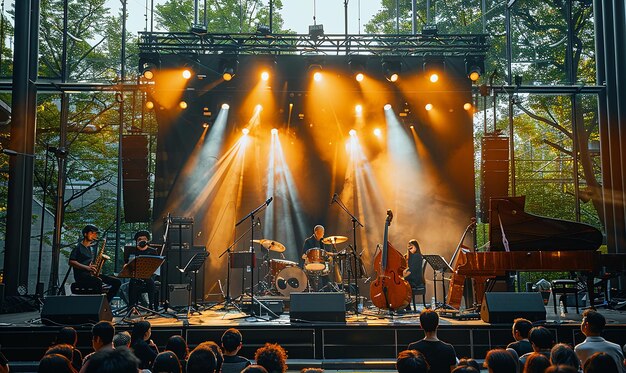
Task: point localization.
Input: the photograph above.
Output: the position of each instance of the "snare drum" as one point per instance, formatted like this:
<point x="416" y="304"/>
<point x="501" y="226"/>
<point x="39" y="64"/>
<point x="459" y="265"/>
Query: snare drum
<point x="316" y="260"/>
<point x="277" y="265"/>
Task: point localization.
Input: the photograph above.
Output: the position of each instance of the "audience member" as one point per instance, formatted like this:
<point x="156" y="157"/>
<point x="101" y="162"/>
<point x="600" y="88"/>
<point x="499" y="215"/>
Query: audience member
<point x="201" y="360"/>
<point x="561" y="369"/>
<point x="62" y="349"/>
<point x="592" y="327"/>
<point x="522" y="346"/>
<point x="121" y="339"/>
<point x="600" y="362"/>
<point x="465" y="369"/>
<point x="311" y="370"/>
<point x="440" y="355"/>
<point x="68" y="335"/>
<point x="500" y="361"/>
<point x="101" y="338"/>
<point x="166" y="362"/>
<point x="178" y="345"/>
<point x="272" y="357"/>
<point x="4" y="364"/>
<point x="231" y="344"/>
<point x="55" y="363"/>
<point x="217" y="351"/>
<point x="411" y="361"/>
<point x="141" y="344"/>
<point x="563" y="354"/>
<point x="542" y="341"/>
<point x="253" y="369"/>
<point x="469" y="362"/>
<point x="536" y="363"/>
<point x="119" y="360"/>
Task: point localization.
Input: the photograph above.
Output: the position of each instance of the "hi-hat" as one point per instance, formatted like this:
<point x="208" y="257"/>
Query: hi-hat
<point x="334" y="239"/>
<point x="271" y="245"/>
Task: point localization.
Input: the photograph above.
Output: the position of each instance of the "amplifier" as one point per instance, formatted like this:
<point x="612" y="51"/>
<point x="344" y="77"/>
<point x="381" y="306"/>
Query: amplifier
<point x="179" y="295"/>
<point x="276" y="306"/>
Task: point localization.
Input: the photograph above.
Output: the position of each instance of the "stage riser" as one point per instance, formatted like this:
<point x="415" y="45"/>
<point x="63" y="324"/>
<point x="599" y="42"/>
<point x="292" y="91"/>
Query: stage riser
<point x="308" y="341"/>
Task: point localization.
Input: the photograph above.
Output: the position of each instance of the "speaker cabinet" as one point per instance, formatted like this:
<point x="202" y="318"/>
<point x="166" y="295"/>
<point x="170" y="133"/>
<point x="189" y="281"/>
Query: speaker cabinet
<point x="495" y="171"/>
<point x="135" y="178"/>
<point x="501" y="308"/>
<point x="317" y="307"/>
<point x="75" y="310"/>
<point x="179" y="258"/>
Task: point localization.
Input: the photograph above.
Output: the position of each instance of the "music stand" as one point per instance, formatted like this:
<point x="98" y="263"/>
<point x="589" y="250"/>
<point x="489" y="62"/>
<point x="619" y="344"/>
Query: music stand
<point x="193" y="266"/>
<point x="141" y="268"/>
<point x="439" y="265"/>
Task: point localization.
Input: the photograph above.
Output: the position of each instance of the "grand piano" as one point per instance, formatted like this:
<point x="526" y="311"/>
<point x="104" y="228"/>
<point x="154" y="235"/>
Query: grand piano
<point x="520" y="241"/>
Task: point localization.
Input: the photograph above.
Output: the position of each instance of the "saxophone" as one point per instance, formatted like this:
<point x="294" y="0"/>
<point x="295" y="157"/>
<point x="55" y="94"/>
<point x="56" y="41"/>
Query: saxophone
<point x="100" y="259"/>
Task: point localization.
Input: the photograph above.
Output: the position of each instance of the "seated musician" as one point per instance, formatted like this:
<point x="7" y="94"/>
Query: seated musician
<point x="314" y="241"/>
<point x="139" y="286"/>
<point x="414" y="274"/>
<point x="82" y="260"/>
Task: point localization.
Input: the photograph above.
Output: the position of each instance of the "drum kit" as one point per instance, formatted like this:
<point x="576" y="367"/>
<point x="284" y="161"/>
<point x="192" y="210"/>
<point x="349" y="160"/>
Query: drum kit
<point x="285" y="276"/>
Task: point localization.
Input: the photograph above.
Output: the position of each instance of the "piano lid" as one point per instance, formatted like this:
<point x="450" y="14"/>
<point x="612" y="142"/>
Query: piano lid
<point x="528" y="232"/>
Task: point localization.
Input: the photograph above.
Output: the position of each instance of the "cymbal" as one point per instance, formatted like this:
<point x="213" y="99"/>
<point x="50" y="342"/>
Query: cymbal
<point x="334" y="239"/>
<point x="271" y="245"/>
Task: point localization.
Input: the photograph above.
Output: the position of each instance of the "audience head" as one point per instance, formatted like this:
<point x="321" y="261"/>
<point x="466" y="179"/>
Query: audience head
<point x="141" y="331"/>
<point x="500" y="361"/>
<point x="231" y="341"/>
<point x="600" y="362"/>
<point x="121" y="339"/>
<point x="541" y="338"/>
<point x="254" y="369"/>
<point x="429" y="320"/>
<point x="217" y="351"/>
<point x="55" y="363"/>
<point x="102" y="334"/>
<point x="311" y="370"/>
<point x="119" y="360"/>
<point x="272" y="357"/>
<point x="67" y="335"/>
<point x="166" y="362"/>
<point x="411" y="361"/>
<point x="563" y="354"/>
<point x="593" y="323"/>
<point x="177" y="345"/>
<point x="469" y="362"/>
<point x="536" y="363"/>
<point x="465" y="369"/>
<point x="521" y="327"/>
<point x="63" y="350"/>
<point x="201" y="360"/>
<point x="561" y="369"/>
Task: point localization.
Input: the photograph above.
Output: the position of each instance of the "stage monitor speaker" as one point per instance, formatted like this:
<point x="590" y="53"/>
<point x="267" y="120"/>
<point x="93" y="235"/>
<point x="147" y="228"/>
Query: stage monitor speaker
<point x="135" y="178"/>
<point x="75" y="310"/>
<point x="503" y="308"/>
<point x="495" y="171"/>
<point x="317" y="307"/>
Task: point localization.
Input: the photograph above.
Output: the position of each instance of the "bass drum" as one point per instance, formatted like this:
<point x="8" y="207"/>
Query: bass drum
<point x="291" y="279"/>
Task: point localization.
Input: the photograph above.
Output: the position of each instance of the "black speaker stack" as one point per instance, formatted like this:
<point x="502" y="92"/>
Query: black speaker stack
<point x="135" y="178"/>
<point x="504" y="307"/>
<point x="495" y="171"/>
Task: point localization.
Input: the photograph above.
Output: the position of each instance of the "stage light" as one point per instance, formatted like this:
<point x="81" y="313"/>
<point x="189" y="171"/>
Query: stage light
<point x="428" y="107"/>
<point x="474" y="75"/>
<point x="182" y="105"/>
<point x="387" y="107"/>
<point x="411" y="126"/>
<point x="205" y="125"/>
<point x="359" y="77"/>
<point x="467" y="106"/>
<point x="258" y="108"/>
<point x="378" y="132"/>
<point x="474" y="67"/>
<point x="316" y="70"/>
<point x="274" y="131"/>
<point x="245" y="131"/>
<point x="433" y="67"/>
<point x="392" y="69"/>
<point x="317" y="76"/>
<point x="225" y="106"/>
<point x="357" y="67"/>
<point x="186" y="73"/>
<point x="358" y="109"/>
<point x="229" y="68"/>
<point x="149" y="66"/>
<point x="265" y="76"/>
<point x="148" y="74"/>
<point x="434" y="78"/>
<point x="149" y="105"/>
<point x="352" y="132"/>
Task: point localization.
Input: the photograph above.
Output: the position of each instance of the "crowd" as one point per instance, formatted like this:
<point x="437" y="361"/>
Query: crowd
<point x="533" y="351"/>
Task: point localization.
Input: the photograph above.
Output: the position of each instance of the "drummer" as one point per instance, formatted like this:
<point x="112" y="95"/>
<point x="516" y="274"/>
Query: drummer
<point x="314" y="241"/>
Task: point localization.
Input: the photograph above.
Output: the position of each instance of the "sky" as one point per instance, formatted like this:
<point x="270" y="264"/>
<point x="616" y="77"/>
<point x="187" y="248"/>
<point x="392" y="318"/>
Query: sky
<point x="297" y="14"/>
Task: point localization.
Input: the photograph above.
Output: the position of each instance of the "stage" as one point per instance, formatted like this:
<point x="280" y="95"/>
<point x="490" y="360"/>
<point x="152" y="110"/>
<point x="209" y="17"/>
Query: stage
<point x="368" y="341"/>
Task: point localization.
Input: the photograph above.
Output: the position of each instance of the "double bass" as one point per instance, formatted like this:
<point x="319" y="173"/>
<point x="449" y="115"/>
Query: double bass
<point x="390" y="290"/>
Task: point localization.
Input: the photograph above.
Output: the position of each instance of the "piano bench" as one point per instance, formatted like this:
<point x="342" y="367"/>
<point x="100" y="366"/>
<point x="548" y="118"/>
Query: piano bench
<point x="564" y="287"/>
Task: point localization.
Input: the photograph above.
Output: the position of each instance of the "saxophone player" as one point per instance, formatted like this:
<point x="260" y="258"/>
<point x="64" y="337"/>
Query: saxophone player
<point x="82" y="261"/>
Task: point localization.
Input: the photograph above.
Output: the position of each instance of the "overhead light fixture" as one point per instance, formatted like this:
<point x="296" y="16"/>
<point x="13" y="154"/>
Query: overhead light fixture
<point x="357" y="66"/>
<point x="149" y="105"/>
<point x="229" y="68"/>
<point x="428" y="107"/>
<point x="263" y="29"/>
<point x="352" y="132"/>
<point x="433" y="68"/>
<point x="274" y="131"/>
<point x="316" y="70"/>
<point x="387" y="107"/>
<point x="429" y="30"/>
<point x="315" y="31"/>
<point x="186" y="73"/>
<point x="225" y="106"/>
<point x="265" y="76"/>
<point x="183" y="105"/>
<point x="148" y="65"/>
<point x="391" y="70"/>
<point x="474" y="67"/>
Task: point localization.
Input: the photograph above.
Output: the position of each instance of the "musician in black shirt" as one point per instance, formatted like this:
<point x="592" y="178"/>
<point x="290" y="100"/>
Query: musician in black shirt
<point x="314" y="241"/>
<point x="84" y="267"/>
<point x="138" y="286"/>
<point x="413" y="273"/>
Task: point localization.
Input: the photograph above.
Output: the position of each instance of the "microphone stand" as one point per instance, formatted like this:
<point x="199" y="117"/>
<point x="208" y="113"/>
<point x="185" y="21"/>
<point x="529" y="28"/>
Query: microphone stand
<point x="355" y="221"/>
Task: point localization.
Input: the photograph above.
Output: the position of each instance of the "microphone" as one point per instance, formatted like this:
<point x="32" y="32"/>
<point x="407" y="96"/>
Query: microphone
<point x="334" y="199"/>
<point x="269" y="200"/>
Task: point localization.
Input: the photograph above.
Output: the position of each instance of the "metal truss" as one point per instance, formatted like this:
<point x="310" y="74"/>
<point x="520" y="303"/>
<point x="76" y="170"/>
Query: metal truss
<point x="376" y="45"/>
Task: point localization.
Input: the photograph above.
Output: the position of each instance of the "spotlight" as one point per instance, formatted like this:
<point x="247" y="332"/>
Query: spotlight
<point x="387" y="107"/>
<point x="225" y="106"/>
<point x="357" y="66"/>
<point x="392" y="69"/>
<point x="315" y="31"/>
<point x="148" y="65"/>
<point x="149" y="105"/>
<point x="317" y="76"/>
<point x="315" y="68"/>
<point x="474" y="67"/>
<point x="245" y="131"/>
<point x="265" y="76"/>
<point x="428" y="107"/>
<point x="433" y="67"/>
<point x="274" y="131"/>
<point x="434" y="78"/>
<point x="359" y="77"/>
<point x="358" y="109"/>
<point x="186" y="74"/>
<point x="352" y="132"/>
<point x="467" y="106"/>
<point x="148" y="74"/>
<point x="205" y="125"/>
<point x="263" y="29"/>
<point x="411" y="126"/>
<point x="182" y="105"/>
<point x="258" y="108"/>
<point x="377" y="132"/>
<point x="229" y="68"/>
